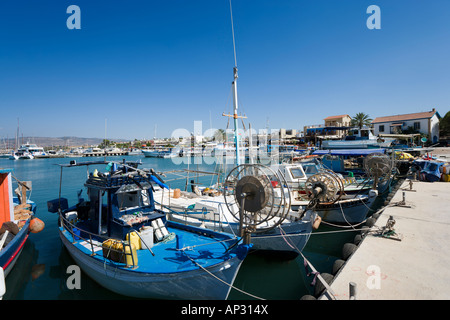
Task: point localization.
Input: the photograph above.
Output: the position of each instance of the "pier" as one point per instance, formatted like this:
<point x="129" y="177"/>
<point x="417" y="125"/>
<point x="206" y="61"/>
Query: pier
<point x="411" y="264"/>
<point x="105" y="154"/>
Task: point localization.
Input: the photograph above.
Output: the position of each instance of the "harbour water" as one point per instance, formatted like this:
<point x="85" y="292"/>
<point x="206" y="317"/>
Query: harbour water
<point x="41" y="271"/>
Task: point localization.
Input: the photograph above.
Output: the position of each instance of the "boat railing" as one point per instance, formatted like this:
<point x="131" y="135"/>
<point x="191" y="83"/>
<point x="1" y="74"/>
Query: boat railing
<point x="186" y="211"/>
<point x="95" y="244"/>
<point x="222" y="213"/>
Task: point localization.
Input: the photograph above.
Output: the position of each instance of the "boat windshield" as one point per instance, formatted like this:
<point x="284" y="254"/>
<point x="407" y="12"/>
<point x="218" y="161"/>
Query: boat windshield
<point x="297" y="173"/>
<point x="132" y="200"/>
<point x="310" y="169"/>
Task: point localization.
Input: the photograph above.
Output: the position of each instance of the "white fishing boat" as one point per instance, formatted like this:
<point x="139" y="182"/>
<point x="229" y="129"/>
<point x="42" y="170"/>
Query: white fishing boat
<point x="326" y="193"/>
<point x="135" y="152"/>
<point x="76" y="152"/>
<point x="159" y="153"/>
<point x="356" y="176"/>
<point x="349" y="198"/>
<point x="6" y="153"/>
<point x="217" y="209"/>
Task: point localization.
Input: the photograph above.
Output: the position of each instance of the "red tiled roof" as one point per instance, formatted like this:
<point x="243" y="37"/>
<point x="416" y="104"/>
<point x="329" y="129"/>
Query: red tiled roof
<point x="403" y="117"/>
<point x="337" y="117"/>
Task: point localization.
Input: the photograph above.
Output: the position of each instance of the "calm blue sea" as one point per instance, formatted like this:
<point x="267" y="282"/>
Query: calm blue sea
<point x="40" y="273"/>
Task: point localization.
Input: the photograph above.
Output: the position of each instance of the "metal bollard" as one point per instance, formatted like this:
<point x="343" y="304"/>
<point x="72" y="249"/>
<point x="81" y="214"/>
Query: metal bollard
<point x="352" y="288"/>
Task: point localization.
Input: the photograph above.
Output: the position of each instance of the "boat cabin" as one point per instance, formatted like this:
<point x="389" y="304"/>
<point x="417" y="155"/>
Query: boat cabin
<point x="335" y="160"/>
<point x="359" y="134"/>
<point x="297" y="173"/>
<point x="118" y="201"/>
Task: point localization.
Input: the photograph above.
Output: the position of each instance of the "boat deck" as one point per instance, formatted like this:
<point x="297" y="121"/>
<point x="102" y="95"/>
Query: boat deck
<point x="205" y="250"/>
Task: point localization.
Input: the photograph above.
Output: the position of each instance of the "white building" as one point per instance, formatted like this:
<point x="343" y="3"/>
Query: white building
<point x="423" y="122"/>
<point x="288" y="133"/>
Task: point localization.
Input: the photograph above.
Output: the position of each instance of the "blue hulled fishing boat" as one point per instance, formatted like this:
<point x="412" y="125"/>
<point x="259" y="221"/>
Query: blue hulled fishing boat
<point x="124" y="243"/>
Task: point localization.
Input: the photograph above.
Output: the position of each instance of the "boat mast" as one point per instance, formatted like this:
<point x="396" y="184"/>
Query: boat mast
<point x="235" y="99"/>
<point x="235" y="117"/>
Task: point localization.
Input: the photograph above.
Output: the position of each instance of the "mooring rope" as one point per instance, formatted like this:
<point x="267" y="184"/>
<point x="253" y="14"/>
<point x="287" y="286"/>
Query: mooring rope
<point x="306" y="261"/>
<point x="217" y="278"/>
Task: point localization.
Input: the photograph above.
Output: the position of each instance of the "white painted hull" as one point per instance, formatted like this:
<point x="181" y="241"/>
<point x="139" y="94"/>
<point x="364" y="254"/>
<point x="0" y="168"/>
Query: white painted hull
<point x="343" y="212"/>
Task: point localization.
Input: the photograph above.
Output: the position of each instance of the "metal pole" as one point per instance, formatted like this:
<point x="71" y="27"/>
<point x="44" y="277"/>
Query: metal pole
<point x="236" y="135"/>
<point x="100" y="205"/>
<point x="352" y="288"/>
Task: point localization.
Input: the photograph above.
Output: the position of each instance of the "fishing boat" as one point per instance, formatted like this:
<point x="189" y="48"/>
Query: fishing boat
<point x="17" y="220"/>
<point x="348" y="210"/>
<point x="356" y="176"/>
<point x="159" y="153"/>
<point x="215" y="207"/>
<point x="358" y="138"/>
<point x="297" y="173"/>
<point x="326" y="193"/>
<point x="219" y="210"/>
<point x="135" y="152"/>
<point x="6" y="153"/>
<point x="124" y="243"/>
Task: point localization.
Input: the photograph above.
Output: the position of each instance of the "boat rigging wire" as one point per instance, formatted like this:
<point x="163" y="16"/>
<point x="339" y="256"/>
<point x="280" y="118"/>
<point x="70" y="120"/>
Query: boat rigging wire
<point x="217" y="278"/>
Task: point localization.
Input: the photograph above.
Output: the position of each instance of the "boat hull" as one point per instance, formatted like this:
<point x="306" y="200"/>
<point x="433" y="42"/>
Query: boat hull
<point x="289" y="240"/>
<point x="356" y="144"/>
<point x="10" y="253"/>
<point x="345" y="212"/>
<point x="194" y="284"/>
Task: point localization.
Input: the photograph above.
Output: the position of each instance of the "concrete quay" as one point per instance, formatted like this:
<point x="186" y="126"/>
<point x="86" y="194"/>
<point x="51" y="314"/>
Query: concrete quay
<point x="415" y="268"/>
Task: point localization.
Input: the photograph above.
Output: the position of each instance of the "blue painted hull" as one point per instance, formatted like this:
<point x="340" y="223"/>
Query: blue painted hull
<point x="10" y="253"/>
<point x="167" y="275"/>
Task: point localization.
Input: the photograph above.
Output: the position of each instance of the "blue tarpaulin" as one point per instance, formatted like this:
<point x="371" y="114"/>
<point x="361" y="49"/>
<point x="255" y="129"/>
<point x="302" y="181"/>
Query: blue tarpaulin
<point x="162" y="185"/>
<point x="430" y="169"/>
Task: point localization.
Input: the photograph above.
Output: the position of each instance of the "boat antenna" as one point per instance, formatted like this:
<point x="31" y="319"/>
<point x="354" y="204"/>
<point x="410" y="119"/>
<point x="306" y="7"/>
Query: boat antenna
<point x="232" y="31"/>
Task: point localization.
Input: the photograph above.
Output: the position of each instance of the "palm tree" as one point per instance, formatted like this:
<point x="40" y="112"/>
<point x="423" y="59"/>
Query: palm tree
<point x="360" y="120"/>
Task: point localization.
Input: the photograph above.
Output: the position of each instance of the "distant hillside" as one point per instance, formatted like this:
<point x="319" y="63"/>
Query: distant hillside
<point x="58" y="142"/>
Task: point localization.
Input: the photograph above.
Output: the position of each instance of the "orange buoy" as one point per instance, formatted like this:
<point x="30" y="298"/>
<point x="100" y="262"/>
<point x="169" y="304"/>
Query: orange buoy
<point x="36" y="225"/>
<point x="317" y="222"/>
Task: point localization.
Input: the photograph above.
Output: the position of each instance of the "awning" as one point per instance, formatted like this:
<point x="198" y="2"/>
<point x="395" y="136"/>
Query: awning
<point x="349" y="152"/>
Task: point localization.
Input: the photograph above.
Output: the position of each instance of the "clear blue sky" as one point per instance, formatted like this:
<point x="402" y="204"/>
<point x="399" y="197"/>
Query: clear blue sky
<point x="170" y="62"/>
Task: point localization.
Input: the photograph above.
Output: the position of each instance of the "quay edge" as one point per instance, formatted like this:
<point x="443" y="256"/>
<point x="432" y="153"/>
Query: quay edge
<point x="415" y="267"/>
